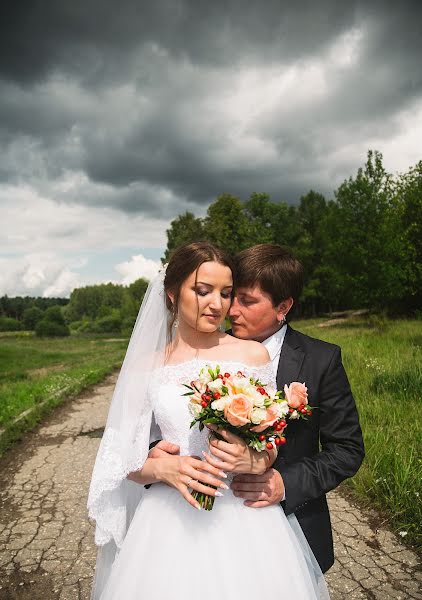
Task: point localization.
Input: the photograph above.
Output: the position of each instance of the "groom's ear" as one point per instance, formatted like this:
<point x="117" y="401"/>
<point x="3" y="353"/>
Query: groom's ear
<point x="284" y="307"/>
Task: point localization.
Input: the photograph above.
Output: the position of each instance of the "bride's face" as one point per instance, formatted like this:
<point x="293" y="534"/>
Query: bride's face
<point x="205" y="297"/>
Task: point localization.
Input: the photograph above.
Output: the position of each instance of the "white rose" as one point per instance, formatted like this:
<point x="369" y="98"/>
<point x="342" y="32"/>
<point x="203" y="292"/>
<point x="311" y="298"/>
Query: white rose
<point x="215" y="385"/>
<point x="258" y="399"/>
<point x="258" y="415"/>
<point x="220" y="404"/>
<point x="283" y="408"/>
<point x="195" y="409"/>
<point x="294" y="415"/>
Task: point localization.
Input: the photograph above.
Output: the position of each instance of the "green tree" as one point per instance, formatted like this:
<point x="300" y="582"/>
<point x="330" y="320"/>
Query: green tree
<point x="409" y="210"/>
<point x="269" y="222"/>
<point x="52" y="324"/>
<point x="87" y="301"/>
<point x="226" y="224"/>
<point x="31" y="316"/>
<point x="311" y="215"/>
<point x="54" y="314"/>
<point x="363" y="247"/>
<point x="9" y="324"/>
<point x="184" y="229"/>
<point x="137" y="290"/>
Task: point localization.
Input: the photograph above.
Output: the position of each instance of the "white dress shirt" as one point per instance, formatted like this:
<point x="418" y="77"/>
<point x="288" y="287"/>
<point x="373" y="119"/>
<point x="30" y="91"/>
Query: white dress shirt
<point x="274" y="344"/>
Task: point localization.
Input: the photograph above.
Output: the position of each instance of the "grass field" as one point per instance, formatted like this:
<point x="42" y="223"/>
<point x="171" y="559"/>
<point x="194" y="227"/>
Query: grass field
<point x="383" y="360"/>
<point x="37" y="374"/>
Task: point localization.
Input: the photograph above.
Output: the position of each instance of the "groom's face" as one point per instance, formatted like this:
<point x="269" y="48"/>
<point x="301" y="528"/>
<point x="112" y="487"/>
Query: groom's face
<point x="252" y="314"/>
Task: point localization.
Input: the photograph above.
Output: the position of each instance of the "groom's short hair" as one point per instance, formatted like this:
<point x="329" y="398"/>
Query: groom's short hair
<point x="274" y="268"/>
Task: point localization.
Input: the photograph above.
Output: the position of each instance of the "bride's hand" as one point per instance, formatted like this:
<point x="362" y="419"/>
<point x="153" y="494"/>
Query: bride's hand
<point x="235" y="456"/>
<point x="190" y="472"/>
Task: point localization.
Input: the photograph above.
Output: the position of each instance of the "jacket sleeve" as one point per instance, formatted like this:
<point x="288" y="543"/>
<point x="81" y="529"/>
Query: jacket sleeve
<point x="342" y="449"/>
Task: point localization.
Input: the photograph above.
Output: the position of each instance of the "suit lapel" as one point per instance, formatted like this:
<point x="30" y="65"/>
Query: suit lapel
<point x="291" y="359"/>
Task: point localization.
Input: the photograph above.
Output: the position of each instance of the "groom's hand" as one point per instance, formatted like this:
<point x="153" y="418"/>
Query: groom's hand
<point x="162" y="449"/>
<point x="259" y="490"/>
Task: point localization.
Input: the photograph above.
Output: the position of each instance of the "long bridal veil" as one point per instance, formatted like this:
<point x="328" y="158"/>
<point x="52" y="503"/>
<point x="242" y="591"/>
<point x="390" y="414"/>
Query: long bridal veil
<point x="124" y="447"/>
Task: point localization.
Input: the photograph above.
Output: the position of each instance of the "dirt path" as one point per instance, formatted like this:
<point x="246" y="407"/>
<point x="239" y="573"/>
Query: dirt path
<point x="46" y="542"/>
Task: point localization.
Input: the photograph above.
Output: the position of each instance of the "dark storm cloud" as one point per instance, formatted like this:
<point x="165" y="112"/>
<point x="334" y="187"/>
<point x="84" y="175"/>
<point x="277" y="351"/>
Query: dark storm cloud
<point x="137" y="96"/>
<point x="40" y="36"/>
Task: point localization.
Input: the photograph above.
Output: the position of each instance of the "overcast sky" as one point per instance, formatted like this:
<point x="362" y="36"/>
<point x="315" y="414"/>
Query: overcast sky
<point x="115" y="117"/>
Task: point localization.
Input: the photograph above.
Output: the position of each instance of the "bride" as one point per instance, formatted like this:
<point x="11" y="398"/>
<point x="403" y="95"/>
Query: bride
<point x="155" y="542"/>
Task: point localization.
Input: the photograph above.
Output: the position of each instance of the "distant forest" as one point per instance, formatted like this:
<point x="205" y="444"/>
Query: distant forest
<point x="362" y="249"/>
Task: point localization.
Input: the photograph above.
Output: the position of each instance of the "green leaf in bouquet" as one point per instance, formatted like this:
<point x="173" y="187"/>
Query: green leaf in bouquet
<point x="217" y="420"/>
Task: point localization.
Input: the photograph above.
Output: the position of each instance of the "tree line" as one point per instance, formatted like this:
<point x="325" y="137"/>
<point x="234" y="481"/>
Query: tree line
<point x="104" y="308"/>
<point x="361" y="249"/>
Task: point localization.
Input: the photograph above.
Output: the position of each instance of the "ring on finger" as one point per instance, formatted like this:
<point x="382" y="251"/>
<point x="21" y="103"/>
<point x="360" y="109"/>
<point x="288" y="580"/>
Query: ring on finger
<point x="188" y="484"/>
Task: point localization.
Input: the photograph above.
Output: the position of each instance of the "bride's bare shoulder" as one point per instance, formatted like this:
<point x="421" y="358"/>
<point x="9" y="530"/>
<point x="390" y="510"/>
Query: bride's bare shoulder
<point x="248" y="351"/>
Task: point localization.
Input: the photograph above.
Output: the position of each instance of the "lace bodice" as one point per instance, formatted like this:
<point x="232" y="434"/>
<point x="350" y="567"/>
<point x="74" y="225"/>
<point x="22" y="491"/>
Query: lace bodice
<point x="170" y="407"/>
<point x="164" y="414"/>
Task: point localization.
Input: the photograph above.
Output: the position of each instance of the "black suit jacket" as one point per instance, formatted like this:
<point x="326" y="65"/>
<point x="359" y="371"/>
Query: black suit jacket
<point x="324" y="450"/>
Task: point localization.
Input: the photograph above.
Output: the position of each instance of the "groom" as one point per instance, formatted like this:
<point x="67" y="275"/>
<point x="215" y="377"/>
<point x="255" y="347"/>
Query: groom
<point x="327" y="448"/>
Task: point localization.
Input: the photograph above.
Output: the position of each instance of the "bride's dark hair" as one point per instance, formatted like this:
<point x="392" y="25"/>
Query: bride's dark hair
<point x="184" y="261"/>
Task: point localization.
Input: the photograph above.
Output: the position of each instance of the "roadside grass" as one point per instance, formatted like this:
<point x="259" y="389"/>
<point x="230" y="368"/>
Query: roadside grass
<point x="383" y="359"/>
<point x="37" y="374"/>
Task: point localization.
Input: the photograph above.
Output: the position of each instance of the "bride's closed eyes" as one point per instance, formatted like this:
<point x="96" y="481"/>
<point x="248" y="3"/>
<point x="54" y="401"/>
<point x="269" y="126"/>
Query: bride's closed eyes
<point x="204" y="291"/>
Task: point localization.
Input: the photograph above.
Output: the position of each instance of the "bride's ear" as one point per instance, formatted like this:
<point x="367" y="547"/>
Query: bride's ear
<point x="170" y="296"/>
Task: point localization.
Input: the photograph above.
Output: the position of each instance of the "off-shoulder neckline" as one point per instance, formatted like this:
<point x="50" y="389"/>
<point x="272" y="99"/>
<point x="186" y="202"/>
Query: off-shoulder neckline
<point x="216" y="361"/>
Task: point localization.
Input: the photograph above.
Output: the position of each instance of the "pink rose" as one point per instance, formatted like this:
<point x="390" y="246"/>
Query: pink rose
<point x="270" y="418"/>
<point x="238" y="411"/>
<point x="296" y="394"/>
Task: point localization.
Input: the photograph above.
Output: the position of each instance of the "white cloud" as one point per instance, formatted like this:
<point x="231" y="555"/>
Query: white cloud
<point x="137" y="267"/>
<point x="35" y="223"/>
<point x="37" y="275"/>
<point x="45" y="243"/>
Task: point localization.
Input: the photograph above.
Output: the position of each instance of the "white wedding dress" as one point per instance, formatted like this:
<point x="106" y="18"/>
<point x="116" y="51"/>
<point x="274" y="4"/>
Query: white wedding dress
<point x="172" y="551"/>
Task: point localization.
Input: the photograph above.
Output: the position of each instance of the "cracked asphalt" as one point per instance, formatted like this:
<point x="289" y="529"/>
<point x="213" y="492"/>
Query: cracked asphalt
<point x="46" y="541"/>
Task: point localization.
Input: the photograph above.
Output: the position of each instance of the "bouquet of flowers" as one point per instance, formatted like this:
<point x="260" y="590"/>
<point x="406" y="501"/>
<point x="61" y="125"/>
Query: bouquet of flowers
<point x="246" y="407"/>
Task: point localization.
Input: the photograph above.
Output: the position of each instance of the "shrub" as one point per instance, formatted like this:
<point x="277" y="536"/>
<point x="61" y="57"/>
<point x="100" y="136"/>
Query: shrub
<point x="31" y="316"/>
<point x="84" y="326"/>
<point x="54" y="314"/>
<point x="128" y="324"/>
<point x="108" y="324"/>
<point x="47" y="328"/>
<point x="9" y="324"/>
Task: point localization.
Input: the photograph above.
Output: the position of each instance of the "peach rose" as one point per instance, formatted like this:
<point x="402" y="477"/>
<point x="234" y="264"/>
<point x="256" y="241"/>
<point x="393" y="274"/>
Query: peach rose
<point x="238" y="411"/>
<point x="271" y="417"/>
<point x="296" y="394"/>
